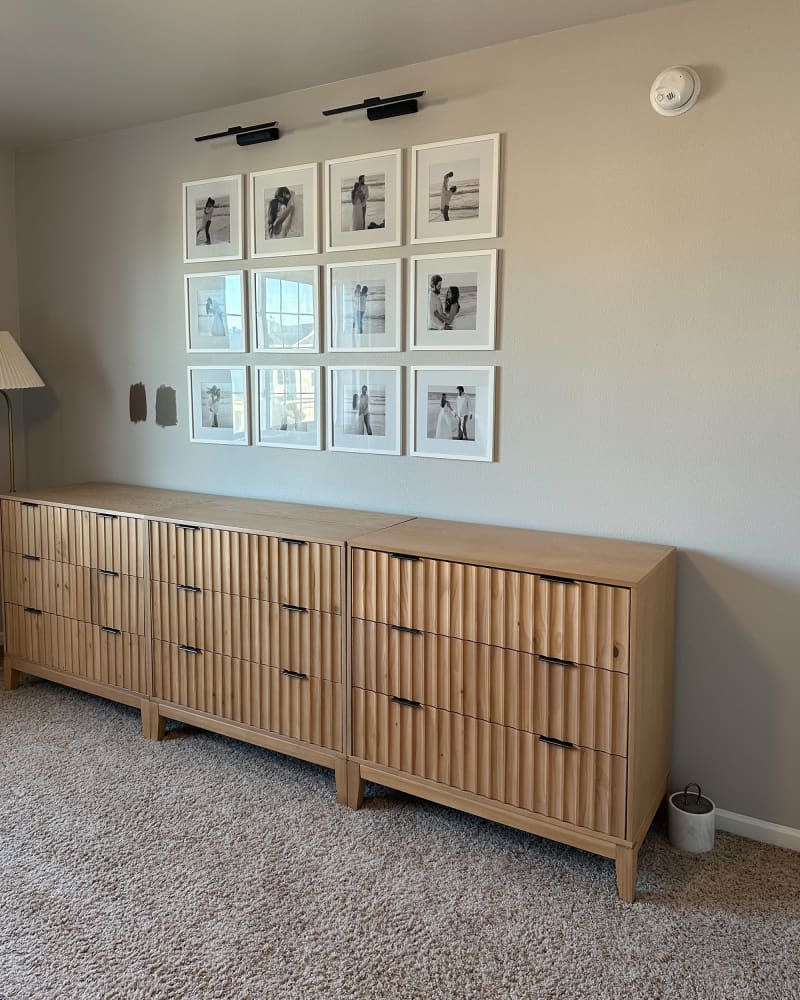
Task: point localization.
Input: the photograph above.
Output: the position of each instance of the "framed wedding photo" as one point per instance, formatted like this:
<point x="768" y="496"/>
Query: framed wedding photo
<point x="452" y="301"/>
<point x="212" y="219"/>
<point x="288" y="406"/>
<point x="283" y="211"/>
<point x="215" y="312"/>
<point x="218" y="402"/>
<point x="363" y="201"/>
<point x="284" y="309"/>
<point x="364" y="409"/>
<point x="364" y="309"/>
<point x="452" y="413"/>
<point x="455" y="189"/>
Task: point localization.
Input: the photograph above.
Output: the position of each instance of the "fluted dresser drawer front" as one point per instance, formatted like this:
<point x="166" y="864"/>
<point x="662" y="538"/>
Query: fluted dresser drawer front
<point x="567" y="783"/>
<point x="114" y="542"/>
<point x="118" y="601"/>
<point x="43" y="530"/>
<point x="22" y="527"/>
<point x="278" y="701"/>
<point x="309" y="575"/>
<point x="571" y="702"/>
<point x="27" y="633"/>
<point x="257" y="631"/>
<point x="572" y="620"/>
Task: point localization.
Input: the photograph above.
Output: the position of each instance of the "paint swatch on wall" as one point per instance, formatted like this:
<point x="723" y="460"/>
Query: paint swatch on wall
<point x="137" y="403"/>
<point x="166" y="406"/>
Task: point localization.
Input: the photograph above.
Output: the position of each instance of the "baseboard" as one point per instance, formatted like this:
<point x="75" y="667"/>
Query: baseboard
<point x="758" y="829"/>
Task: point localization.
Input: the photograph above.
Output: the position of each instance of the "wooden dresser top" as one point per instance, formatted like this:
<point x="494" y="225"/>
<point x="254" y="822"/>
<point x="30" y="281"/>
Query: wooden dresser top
<point x="577" y="557"/>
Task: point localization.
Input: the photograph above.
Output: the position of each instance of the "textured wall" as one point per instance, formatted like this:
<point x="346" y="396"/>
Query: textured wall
<point x="9" y="308"/>
<point x="648" y="331"/>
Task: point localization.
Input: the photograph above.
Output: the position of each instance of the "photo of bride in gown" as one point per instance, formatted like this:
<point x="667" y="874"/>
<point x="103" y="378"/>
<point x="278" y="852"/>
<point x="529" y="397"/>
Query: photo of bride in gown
<point x="363" y="200"/>
<point x="451" y="413"/>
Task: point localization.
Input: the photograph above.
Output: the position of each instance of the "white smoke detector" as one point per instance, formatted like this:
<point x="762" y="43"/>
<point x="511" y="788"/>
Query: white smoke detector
<point x="675" y="91"/>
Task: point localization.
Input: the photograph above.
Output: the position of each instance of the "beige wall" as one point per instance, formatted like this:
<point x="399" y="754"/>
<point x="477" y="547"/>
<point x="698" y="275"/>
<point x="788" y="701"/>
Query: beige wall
<point x="9" y="306"/>
<point x="648" y="331"/>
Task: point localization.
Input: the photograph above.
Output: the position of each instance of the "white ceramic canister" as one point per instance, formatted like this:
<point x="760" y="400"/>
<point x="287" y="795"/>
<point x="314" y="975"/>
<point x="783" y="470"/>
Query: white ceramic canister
<point x="691" y="820"/>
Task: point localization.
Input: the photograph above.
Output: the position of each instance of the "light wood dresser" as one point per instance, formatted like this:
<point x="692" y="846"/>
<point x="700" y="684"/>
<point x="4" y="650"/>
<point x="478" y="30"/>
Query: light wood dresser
<point x="218" y="612"/>
<point x="522" y="676"/>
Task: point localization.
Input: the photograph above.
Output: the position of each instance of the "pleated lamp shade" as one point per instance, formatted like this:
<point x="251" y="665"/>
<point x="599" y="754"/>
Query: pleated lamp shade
<point x="16" y="372"/>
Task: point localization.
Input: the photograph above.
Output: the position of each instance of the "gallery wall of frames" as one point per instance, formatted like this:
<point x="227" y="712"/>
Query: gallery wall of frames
<point x="281" y="314"/>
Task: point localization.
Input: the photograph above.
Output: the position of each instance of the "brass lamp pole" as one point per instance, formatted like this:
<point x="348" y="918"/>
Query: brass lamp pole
<point x="16" y="372"/>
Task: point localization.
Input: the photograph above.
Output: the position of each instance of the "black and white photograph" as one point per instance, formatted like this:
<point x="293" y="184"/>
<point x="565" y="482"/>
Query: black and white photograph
<point x="365" y="409"/>
<point x="218" y="398"/>
<point x="452" y="413"/>
<point x="363" y="201"/>
<point x="212" y="219"/>
<point x="455" y="189"/>
<point x="215" y="312"/>
<point x="283" y="211"/>
<point x="284" y="309"/>
<point x="364" y="306"/>
<point x="289" y="407"/>
<point x="452" y="301"/>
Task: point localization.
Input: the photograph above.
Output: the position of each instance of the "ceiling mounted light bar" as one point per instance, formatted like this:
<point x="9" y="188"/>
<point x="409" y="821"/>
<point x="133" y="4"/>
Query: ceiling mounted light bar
<point x="378" y="108"/>
<point x="246" y="135"/>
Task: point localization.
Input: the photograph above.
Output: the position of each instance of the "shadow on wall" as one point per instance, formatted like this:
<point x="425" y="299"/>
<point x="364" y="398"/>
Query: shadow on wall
<point x="736" y="705"/>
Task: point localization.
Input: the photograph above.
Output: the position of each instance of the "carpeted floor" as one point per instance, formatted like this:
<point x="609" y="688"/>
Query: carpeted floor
<point x="204" y="868"/>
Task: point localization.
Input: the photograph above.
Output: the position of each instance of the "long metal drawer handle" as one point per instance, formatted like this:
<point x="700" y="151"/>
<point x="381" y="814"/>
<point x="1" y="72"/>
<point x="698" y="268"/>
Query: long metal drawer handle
<point x="108" y="517"/>
<point x="557" y="743"/>
<point x="293" y="541"/>
<point x="556" y="579"/>
<point x="110" y="630"/>
<point x="408" y="702"/>
<point x="28" y="503"/>
<point x="188" y="588"/>
<point x="406" y="628"/>
<point x="294" y="607"/>
<point x="108" y="572"/>
<point x="187" y="527"/>
<point x="294" y="673"/>
<point x="33" y="558"/>
<point x="558" y="662"/>
<point x="404" y="557"/>
<point x="195" y="650"/>
<point x="33" y="611"/>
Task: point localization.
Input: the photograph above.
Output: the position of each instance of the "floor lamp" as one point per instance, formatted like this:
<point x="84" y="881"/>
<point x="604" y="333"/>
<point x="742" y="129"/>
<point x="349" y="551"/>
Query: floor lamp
<point x="16" y="372"/>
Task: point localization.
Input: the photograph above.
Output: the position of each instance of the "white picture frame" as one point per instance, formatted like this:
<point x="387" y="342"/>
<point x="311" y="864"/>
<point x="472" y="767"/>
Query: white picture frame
<point x="382" y="431"/>
<point x="438" y="214"/>
<point x="294" y="229"/>
<point x="289" y="406"/>
<point x="434" y="417"/>
<point x="466" y="316"/>
<point x="229" y="409"/>
<point x="364" y="306"/>
<point x="215" y="312"/>
<point x="381" y="202"/>
<point x="285" y="310"/>
<point x="213" y="220"/>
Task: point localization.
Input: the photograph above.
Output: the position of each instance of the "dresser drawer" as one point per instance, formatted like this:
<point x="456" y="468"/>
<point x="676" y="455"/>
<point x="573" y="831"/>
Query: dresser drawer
<point x="117" y="658"/>
<point x="273" y="700"/>
<point x="571" y="784"/>
<point x="22" y="527"/>
<point x="118" y="601"/>
<point x="27" y="633"/>
<point x="113" y="542"/>
<point x="257" y="631"/>
<point x="54" y="587"/>
<point x="579" y="704"/>
<point x="581" y="622"/>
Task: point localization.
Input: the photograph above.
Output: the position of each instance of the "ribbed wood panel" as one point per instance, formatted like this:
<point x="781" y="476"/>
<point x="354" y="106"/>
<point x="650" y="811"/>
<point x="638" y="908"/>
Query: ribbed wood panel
<point x="113" y="542"/>
<point x="118" y="601"/>
<point x="22" y="527"/>
<point x="310" y="575"/>
<point x="582" y="622"/>
<point x="579" y="786"/>
<point x="26" y="634"/>
<point x="245" y="629"/>
<point x="266" y="698"/>
<point x="579" y="704"/>
<point x="119" y="659"/>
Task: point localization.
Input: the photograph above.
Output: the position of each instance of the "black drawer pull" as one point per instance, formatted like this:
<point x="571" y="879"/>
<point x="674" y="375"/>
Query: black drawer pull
<point x="294" y="607"/>
<point x="294" y="673"/>
<point x="293" y="541"/>
<point x="109" y="630"/>
<point x="404" y="557"/>
<point x="108" y="572"/>
<point x="28" y="503"/>
<point x="406" y="701"/>
<point x="187" y="527"/>
<point x="557" y="661"/>
<point x="556" y="579"/>
<point x="406" y="628"/>
<point x="108" y="517"/>
<point x="33" y="611"/>
<point x="33" y="558"/>
<point x="557" y="743"/>
<point x="194" y="650"/>
<point x="188" y="588"/>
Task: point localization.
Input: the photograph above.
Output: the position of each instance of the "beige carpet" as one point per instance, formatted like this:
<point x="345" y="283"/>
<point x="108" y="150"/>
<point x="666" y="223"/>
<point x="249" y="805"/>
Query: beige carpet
<point x="204" y="868"/>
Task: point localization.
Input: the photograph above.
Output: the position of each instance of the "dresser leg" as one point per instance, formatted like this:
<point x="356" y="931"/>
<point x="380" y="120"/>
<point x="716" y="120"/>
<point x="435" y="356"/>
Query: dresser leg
<point x="626" y="862"/>
<point x="355" y="785"/>
<point x="341" y="782"/>
<point x="153" y="725"/>
<point x="10" y="677"/>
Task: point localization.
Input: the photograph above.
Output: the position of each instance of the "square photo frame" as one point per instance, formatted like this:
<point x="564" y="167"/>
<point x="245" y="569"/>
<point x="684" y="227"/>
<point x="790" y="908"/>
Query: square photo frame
<point x="215" y="311"/>
<point x="453" y="301"/>
<point x="455" y="189"/>
<point x="363" y="201"/>
<point x="365" y="409"/>
<point x="284" y="310"/>
<point x="219" y="404"/>
<point x="284" y="211"/>
<point x="364" y="308"/>
<point x="288" y="406"/>
<point x="212" y="219"/>
<point x="451" y="412"/>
